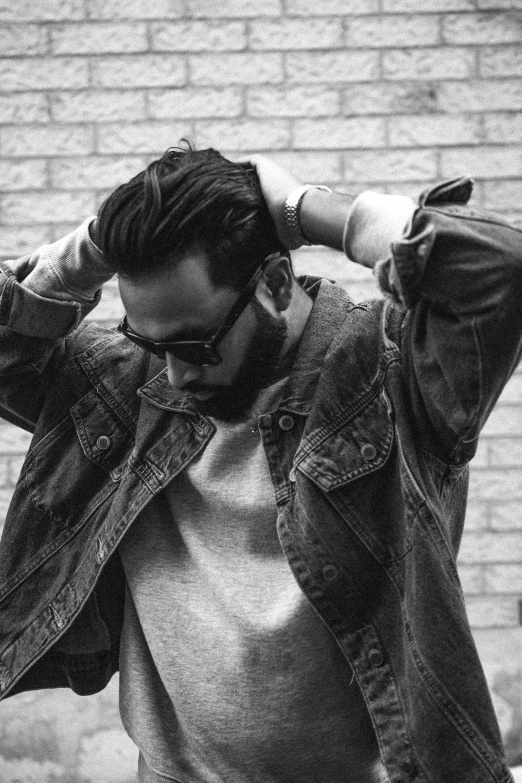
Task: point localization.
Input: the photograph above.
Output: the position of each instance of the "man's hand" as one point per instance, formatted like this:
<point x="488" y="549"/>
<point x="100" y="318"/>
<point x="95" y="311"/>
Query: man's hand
<point x="322" y="215"/>
<point x="276" y="184"/>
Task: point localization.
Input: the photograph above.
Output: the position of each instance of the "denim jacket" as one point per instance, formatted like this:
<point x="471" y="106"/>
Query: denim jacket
<point x="368" y="453"/>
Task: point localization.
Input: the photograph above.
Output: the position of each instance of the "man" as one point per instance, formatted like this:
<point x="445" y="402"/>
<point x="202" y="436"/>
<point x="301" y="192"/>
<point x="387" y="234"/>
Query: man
<point x="250" y="500"/>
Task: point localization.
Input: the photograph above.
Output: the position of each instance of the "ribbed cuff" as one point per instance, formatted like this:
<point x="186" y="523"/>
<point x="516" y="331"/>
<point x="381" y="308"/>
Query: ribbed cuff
<point x="71" y="269"/>
<point x="374" y="221"/>
<point x="26" y="312"/>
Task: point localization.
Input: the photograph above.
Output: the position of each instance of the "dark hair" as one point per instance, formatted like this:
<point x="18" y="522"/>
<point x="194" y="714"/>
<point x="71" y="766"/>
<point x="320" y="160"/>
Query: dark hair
<point x="188" y="200"/>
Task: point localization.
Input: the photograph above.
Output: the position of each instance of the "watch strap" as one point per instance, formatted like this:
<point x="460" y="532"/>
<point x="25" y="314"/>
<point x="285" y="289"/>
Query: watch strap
<point x="292" y="210"/>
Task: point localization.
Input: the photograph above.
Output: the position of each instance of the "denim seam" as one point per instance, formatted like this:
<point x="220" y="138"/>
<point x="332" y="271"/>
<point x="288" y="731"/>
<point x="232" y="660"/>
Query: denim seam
<point x="109" y="398"/>
<point x="6" y="295"/>
<point x="473" y="421"/>
<point x="475" y="218"/>
<point x="66" y="535"/>
<point x="362" y="402"/>
<point x="425" y="501"/>
<point x="447" y="704"/>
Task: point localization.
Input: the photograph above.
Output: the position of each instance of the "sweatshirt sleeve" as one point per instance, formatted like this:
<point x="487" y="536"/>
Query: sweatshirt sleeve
<point x="49" y="292"/>
<point x="374" y="221"/>
<point x="71" y="269"/>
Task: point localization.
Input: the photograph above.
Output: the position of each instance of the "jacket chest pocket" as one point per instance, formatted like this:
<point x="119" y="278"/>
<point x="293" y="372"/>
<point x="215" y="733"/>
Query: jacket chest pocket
<point x="102" y="436"/>
<point x="78" y="464"/>
<point x="358" y="469"/>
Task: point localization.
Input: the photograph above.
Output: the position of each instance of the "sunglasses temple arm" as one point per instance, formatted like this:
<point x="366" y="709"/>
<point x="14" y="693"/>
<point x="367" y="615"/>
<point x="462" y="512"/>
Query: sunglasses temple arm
<point x="239" y="306"/>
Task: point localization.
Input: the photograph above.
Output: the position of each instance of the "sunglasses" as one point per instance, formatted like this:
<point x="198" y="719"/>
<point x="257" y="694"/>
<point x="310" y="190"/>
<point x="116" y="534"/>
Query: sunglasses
<point x="200" y="352"/>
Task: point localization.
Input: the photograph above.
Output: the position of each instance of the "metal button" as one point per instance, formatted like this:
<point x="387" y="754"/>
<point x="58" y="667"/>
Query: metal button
<point x="286" y="422"/>
<point x="103" y="443"/>
<point x="368" y="451"/>
<point x="330" y="572"/>
<point x="375" y="657"/>
<point x="291" y="475"/>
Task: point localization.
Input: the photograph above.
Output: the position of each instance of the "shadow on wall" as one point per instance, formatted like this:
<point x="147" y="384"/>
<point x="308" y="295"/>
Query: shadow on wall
<point x="57" y="737"/>
<point x="505" y="690"/>
<point x="500" y="650"/>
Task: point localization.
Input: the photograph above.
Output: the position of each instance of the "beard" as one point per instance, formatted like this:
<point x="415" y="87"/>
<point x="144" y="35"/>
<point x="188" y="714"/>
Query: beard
<point x="257" y="371"/>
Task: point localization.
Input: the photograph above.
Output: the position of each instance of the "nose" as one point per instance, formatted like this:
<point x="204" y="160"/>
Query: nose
<point x="180" y="373"/>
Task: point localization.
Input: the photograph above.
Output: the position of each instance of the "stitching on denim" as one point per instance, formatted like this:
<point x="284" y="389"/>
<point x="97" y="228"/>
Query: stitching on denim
<point x="466" y="213"/>
<point x="6" y="296"/>
<point x="450" y="707"/>
<point x="472" y="425"/>
<point x="362" y="402"/>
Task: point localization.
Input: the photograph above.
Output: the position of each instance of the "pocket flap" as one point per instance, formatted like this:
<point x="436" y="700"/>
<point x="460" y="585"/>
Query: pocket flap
<point x="103" y="437"/>
<point x="353" y="449"/>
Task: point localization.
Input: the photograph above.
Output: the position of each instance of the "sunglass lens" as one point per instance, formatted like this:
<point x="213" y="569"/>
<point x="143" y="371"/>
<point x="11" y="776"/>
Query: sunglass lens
<point x="147" y="345"/>
<point x="201" y="355"/>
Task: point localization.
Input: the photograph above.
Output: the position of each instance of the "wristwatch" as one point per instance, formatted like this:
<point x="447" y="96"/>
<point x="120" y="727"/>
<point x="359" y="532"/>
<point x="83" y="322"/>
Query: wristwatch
<point x="292" y="209"/>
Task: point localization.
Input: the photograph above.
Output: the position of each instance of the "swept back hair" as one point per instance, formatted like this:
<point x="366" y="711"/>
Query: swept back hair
<point x="188" y="200"/>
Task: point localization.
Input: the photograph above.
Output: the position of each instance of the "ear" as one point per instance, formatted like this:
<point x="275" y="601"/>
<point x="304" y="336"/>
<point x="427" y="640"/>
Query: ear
<point x="279" y="279"/>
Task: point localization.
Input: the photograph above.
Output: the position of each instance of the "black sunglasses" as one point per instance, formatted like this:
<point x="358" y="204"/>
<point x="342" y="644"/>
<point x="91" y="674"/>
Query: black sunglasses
<point x="201" y="352"/>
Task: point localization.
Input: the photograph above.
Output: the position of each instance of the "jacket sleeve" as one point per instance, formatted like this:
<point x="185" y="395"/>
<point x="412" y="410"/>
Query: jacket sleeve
<point x="457" y="273"/>
<point x="43" y="299"/>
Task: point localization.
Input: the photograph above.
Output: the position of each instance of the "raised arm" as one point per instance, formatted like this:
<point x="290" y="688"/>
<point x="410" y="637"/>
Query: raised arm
<point x="44" y="297"/>
<point x="456" y="272"/>
<point x="363" y="226"/>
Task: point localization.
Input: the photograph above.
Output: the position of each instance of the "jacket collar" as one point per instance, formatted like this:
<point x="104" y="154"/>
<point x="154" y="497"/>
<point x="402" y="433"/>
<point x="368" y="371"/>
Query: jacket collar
<point x="329" y="310"/>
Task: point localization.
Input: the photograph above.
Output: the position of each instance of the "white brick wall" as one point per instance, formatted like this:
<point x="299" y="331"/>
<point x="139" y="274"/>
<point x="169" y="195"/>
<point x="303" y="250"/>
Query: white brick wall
<point x="98" y="38"/>
<point x="198" y="36"/>
<point x="43" y="10"/>
<point x="428" y="63"/>
<point x="391" y="94"/>
<point x="133" y="9"/>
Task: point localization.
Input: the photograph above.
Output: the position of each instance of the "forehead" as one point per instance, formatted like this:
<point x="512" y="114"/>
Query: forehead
<point x="180" y="298"/>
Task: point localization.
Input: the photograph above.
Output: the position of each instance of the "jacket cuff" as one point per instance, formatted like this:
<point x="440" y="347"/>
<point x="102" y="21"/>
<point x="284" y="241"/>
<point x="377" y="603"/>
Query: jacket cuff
<point x="26" y="312"/>
<point x="401" y="273"/>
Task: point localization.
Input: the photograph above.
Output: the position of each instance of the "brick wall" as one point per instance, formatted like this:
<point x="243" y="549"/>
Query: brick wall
<point x="388" y="94"/>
